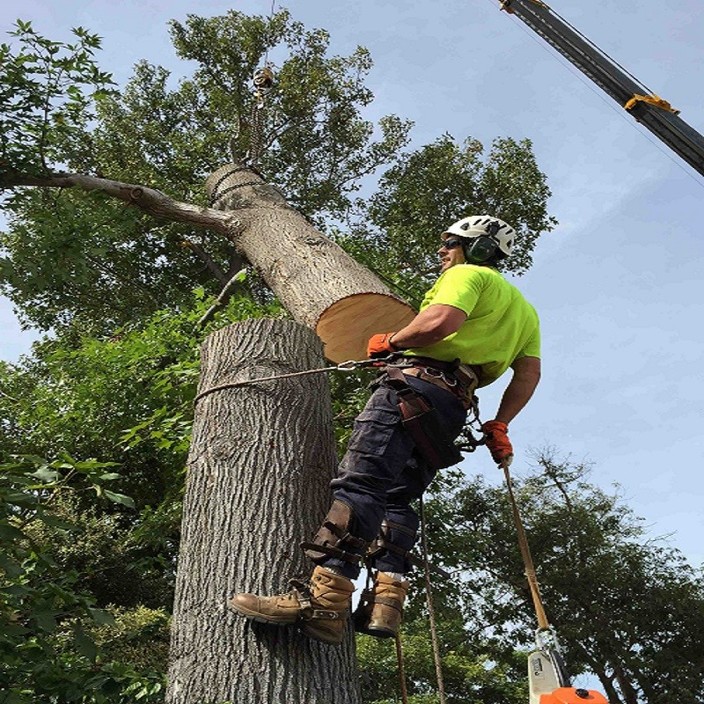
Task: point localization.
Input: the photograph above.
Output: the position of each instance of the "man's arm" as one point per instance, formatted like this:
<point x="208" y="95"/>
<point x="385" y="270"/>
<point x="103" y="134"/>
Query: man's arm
<point x="526" y="375"/>
<point x="433" y="324"/>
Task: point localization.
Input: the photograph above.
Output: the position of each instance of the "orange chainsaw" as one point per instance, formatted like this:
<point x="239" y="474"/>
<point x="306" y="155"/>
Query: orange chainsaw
<point x="548" y="682"/>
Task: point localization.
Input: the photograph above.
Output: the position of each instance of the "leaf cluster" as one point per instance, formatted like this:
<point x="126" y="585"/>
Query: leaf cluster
<point x="398" y="230"/>
<point x="48" y="91"/>
<point x="47" y="651"/>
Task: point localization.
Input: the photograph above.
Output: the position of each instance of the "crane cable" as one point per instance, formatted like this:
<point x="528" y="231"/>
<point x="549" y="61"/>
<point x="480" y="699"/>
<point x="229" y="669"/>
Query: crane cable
<point x="262" y="83"/>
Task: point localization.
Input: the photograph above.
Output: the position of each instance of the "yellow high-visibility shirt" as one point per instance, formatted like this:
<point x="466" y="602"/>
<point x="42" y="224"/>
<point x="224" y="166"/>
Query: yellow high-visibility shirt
<point x="501" y="325"/>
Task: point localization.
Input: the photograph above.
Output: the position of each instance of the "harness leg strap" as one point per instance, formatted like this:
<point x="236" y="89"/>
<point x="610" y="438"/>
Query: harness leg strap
<point x="334" y="539"/>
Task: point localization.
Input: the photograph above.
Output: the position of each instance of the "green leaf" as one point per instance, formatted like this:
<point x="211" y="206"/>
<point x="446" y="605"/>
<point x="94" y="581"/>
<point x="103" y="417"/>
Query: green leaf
<point x="119" y="498"/>
<point x="45" y="619"/>
<point x="101" y="616"/>
<point x="85" y="644"/>
<point x="9" y="533"/>
<point x="46" y="474"/>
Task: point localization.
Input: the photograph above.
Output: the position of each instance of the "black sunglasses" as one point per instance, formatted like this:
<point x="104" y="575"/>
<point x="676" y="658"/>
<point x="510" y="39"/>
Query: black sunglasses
<point x="451" y="244"/>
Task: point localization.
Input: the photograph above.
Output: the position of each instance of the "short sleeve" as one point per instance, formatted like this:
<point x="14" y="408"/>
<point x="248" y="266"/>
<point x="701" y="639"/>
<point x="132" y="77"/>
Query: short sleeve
<point x="532" y="346"/>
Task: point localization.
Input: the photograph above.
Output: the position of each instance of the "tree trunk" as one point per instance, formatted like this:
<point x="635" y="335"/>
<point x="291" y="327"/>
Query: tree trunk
<point x="315" y="279"/>
<point x="630" y="696"/>
<point x="258" y="472"/>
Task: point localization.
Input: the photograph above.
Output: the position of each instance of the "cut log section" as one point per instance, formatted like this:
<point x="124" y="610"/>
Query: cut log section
<point x="346" y="326"/>
<point x="318" y="283"/>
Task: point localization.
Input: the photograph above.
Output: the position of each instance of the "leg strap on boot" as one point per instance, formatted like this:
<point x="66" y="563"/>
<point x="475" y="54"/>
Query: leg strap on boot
<point x="301" y="590"/>
<point x="382" y="543"/>
<point x="334" y="539"/>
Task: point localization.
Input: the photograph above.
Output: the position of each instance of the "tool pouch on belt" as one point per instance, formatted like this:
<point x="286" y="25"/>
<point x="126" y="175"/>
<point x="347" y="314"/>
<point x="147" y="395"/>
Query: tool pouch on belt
<point x="423" y="423"/>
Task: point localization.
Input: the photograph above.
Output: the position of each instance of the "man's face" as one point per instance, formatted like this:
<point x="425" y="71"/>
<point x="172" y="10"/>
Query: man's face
<point x="450" y="252"/>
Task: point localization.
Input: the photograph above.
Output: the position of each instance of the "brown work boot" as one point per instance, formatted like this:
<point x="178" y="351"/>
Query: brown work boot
<point x="279" y="609"/>
<point x="330" y="600"/>
<point x="322" y="605"/>
<point x="380" y="610"/>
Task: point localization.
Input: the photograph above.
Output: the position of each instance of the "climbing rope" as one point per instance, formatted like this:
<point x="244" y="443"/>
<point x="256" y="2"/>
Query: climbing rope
<point x="431" y="609"/>
<point x="401" y="669"/>
<point x="348" y="366"/>
<point x="435" y="641"/>
<point x="262" y="82"/>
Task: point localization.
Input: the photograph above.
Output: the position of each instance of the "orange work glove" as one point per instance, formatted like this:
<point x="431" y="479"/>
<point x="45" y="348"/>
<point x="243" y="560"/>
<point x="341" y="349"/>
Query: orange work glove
<point x="380" y="345"/>
<point x="497" y="440"/>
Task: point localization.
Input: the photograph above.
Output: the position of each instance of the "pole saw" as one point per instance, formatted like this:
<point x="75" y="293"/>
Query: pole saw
<point x="548" y="681"/>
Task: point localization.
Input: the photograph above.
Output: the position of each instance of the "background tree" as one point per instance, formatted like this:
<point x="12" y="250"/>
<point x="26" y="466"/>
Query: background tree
<point x="627" y="608"/>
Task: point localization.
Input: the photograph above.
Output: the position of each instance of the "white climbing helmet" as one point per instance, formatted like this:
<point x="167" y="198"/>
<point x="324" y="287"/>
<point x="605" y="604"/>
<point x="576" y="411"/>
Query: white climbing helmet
<point x="485" y="226"/>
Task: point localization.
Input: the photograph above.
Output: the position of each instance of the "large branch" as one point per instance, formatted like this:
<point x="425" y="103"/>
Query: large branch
<point x="147" y="199"/>
<point x="321" y="285"/>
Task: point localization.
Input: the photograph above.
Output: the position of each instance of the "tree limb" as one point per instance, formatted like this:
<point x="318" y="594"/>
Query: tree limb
<point x="209" y="262"/>
<point x="147" y="199"/>
<point x="221" y="300"/>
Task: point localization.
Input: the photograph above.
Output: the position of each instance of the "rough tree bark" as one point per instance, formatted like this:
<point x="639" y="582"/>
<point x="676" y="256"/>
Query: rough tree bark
<point x="258" y="472"/>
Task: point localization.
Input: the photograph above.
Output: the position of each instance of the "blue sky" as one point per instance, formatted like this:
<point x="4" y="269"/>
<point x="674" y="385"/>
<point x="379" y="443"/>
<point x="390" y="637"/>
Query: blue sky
<point x="618" y="285"/>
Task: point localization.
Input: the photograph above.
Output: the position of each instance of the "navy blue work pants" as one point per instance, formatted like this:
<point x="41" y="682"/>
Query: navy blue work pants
<point x="382" y="472"/>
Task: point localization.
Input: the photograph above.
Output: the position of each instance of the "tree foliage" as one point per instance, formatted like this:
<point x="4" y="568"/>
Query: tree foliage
<point x="47" y="93"/>
<point x="48" y="651"/>
<point x="170" y="138"/>
<point x="87" y="559"/>
<point x="627" y="608"/>
<point x="397" y="230"/>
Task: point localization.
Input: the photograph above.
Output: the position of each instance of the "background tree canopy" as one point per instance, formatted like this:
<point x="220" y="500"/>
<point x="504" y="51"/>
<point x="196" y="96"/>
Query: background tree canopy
<point x="95" y="424"/>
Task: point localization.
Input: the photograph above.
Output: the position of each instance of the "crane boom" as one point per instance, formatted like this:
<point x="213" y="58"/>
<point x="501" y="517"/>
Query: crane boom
<point x="651" y="111"/>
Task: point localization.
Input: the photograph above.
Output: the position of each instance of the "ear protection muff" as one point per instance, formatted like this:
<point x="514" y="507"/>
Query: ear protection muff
<point x="480" y="249"/>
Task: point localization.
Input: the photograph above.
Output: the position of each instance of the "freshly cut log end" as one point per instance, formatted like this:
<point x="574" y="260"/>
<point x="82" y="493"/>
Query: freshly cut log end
<point x="346" y="325"/>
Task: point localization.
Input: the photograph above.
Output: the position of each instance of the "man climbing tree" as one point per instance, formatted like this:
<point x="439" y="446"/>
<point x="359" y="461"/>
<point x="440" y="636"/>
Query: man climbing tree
<point x="473" y="325"/>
